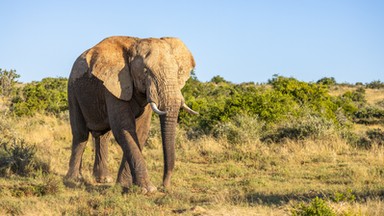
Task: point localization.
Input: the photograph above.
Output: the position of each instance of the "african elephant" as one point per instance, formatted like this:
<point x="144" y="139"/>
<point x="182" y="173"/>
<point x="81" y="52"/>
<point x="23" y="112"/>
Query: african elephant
<point x="114" y="86"/>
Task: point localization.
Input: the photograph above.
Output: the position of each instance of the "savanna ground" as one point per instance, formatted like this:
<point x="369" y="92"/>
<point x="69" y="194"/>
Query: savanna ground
<point x="212" y="176"/>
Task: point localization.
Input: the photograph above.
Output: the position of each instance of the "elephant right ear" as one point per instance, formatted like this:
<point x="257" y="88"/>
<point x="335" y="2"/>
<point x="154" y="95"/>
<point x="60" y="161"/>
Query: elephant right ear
<point x="107" y="62"/>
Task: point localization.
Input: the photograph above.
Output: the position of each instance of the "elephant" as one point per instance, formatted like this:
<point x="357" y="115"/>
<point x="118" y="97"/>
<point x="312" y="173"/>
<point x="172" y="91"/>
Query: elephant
<point x="114" y="87"/>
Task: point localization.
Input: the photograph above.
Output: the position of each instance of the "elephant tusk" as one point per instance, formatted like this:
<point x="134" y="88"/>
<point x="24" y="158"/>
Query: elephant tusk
<point x="189" y="110"/>
<point x="156" y="110"/>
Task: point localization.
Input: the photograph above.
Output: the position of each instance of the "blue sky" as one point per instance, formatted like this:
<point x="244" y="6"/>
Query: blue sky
<point x="239" y="40"/>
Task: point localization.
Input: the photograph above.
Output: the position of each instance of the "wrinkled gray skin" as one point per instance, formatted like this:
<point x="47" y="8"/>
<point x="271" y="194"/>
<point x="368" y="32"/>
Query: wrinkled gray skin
<point x="111" y="87"/>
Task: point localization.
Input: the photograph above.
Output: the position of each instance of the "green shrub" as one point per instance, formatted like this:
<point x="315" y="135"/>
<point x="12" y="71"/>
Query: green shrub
<point x="369" y="115"/>
<point x="377" y="84"/>
<point x="366" y="140"/>
<point x="351" y="101"/>
<point x="348" y="196"/>
<point x="311" y="95"/>
<point x="47" y="185"/>
<point x="19" y="158"/>
<point x="51" y="185"/>
<point x="218" y="79"/>
<point x="317" y="207"/>
<point x="8" y="79"/>
<point x="329" y="81"/>
<point x="308" y="126"/>
<point x="219" y="102"/>
<point x="241" y="129"/>
<point x="47" y="96"/>
<point x="357" y="96"/>
<point x="376" y="136"/>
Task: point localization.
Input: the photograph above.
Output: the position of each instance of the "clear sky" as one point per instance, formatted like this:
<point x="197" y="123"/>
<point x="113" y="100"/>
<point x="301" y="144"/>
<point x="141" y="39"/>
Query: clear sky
<point x="243" y="40"/>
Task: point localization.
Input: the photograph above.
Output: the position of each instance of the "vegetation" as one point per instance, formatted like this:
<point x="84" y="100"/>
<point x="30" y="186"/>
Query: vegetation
<point x="283" y="148"/>
<point x="8" y="79"/>
<point x="375" y="84"/>
<point x="47" y="96"/>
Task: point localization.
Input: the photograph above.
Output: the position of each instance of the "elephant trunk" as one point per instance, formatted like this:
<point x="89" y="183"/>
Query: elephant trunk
<point x="168" y="135"/>
<point x="168" y="98"/>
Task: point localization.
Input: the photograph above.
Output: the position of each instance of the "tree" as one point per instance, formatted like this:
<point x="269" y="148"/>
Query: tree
<point x="47" y="96"/>
<point x="7" y="81"/>
<point x="218" y="79"/>
<point x="329" y="81"/>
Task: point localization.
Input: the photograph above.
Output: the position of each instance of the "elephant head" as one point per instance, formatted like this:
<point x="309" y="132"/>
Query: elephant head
<point x="154" y="68"/>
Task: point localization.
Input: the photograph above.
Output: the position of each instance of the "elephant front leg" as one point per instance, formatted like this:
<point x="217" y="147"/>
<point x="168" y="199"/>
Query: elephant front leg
<point x="100" y="167"/>
<point x="142" y="131"/>
<point x="133" y="161"/>
<point x="124" y="177"/>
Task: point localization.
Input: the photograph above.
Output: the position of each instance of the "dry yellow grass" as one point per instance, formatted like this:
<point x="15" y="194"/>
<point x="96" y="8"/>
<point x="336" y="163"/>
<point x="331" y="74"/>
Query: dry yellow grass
<point x="371" y="95"/>
<point x="374" y="95"/>
<point x="212" y="177"/>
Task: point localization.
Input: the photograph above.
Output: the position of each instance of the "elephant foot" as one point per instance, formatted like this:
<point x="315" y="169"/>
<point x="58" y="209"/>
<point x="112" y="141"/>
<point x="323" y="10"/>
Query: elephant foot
<point x="74" y="176"/>
<point x="148" y="189"/>
<point x="73" y="181"/>
<point x="142" y="190"/>
<point x="104" y="179"/>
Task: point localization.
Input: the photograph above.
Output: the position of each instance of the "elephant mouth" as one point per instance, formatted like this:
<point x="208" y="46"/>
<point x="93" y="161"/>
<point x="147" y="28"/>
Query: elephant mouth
<point x="183" y="106"/>
<point x="169" y="100"/>
<point x="156" y="109"/>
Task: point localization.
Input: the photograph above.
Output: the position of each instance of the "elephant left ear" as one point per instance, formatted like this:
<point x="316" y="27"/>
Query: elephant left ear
<point x="106" y="62"/>
<point x="183" y="58"/>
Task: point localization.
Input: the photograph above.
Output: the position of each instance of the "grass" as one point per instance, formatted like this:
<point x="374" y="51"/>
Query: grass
<point x="212" y="176"/>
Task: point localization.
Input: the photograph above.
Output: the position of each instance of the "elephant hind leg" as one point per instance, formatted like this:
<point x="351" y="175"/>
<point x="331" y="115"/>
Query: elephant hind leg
<point x="75" y="163"/>
<point x="80" y="134"/>
<point x="79" y="141"/>
<point x="100" y="167"/>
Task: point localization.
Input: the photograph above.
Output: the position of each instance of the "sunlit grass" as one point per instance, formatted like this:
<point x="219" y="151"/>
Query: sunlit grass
<point x="211" y="177"/>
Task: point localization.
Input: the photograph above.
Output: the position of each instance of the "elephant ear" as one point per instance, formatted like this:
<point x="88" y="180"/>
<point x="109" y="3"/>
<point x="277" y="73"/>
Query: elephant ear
<point x="107" y="61"/>
<point x="183" y="58"/>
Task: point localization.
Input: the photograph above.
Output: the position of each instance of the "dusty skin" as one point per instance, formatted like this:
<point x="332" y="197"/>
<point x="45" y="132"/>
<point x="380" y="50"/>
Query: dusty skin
<point x="114" y="86"/>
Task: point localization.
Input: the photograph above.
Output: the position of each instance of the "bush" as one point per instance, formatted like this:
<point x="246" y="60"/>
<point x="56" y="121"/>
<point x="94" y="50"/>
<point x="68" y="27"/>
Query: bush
<point x="317" y="207"/>
<point x="241" y="129"/>
<point x="47" y="96"/>
<point x="369" y="115"/>
<point x="375" y="84"/>
<point x="351" y="101"/>
<point x="220" y="102"/>
<point x="8" y="81"/>
<point x="308" y="126"/>
<point x="19" y="158"/>
<point x="366" y="140"/>
<point x="47" y="185"/>
<point x="311" y="95"/>
<point x="376" y="136"/>
<point x="348" y="196"/>
<point x="218" y="79"/>
<point x="329" y="81"/>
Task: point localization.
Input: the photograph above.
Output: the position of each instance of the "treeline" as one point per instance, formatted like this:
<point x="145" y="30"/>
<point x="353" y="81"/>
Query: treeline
<point x="283" y="108"/>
